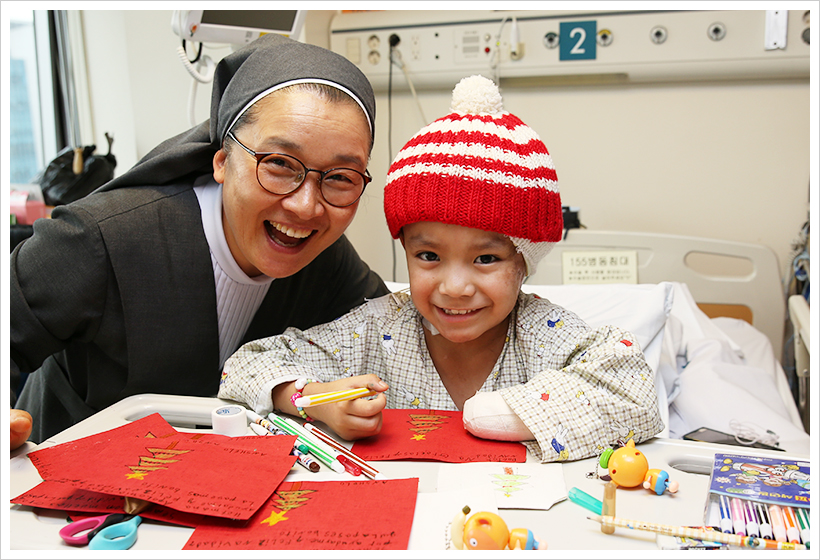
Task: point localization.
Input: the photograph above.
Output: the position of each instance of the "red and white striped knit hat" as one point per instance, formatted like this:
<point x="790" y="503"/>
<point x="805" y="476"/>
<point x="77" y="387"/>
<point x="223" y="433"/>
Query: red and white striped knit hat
<point x="479" y="167"/>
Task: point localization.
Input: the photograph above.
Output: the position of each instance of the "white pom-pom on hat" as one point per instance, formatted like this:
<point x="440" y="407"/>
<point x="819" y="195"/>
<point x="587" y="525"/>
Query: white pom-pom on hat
<point x="476" y="95"/>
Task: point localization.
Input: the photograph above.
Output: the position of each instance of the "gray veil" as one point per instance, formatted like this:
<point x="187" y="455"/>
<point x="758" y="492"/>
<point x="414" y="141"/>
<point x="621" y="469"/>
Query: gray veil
<point x="239" y="78"/>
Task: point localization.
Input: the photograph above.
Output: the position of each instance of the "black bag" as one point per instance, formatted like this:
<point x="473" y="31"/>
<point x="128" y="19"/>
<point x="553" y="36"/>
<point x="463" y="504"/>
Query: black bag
<point x="61" y="185"/>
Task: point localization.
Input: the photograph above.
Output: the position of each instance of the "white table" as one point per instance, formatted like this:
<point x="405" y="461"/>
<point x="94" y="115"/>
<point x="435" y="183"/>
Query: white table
<point x="563" y="526"/>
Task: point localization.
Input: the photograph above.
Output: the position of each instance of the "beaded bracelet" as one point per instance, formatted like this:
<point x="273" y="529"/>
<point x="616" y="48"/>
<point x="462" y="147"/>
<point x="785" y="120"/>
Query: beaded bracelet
<point x="300" y="384"/>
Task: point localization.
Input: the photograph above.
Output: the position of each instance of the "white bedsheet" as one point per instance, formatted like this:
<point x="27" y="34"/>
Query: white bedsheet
<point x="717" y="371"/>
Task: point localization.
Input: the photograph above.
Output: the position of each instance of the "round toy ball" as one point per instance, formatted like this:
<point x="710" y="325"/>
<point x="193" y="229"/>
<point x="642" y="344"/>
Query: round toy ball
<point x="476" y="95"/>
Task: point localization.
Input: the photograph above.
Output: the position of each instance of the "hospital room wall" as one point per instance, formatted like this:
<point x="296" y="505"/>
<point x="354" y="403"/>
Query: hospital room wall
<point x="726" y="160"/>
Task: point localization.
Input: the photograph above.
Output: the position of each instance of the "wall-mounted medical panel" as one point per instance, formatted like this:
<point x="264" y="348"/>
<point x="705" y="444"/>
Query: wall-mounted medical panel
<point x="553" y="47"/>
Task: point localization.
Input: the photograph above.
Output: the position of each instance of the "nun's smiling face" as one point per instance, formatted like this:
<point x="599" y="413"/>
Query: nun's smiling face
<point x="278" y="235"/>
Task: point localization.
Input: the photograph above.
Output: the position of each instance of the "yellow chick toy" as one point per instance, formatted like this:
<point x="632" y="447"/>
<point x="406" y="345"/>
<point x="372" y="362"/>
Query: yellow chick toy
<point x="487" y="531"/>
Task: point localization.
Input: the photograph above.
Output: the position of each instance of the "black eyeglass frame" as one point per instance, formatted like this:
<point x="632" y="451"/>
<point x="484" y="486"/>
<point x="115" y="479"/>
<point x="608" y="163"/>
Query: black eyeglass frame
<point x="259" y="156"/>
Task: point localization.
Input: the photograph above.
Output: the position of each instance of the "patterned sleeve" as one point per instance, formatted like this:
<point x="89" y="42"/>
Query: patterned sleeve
<point x="586" y="388"/>
<point x="322" y="353"/>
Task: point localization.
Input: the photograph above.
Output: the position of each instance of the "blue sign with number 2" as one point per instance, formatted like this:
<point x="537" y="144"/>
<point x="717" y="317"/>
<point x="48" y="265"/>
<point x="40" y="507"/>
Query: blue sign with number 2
<point x="578" y="40"/>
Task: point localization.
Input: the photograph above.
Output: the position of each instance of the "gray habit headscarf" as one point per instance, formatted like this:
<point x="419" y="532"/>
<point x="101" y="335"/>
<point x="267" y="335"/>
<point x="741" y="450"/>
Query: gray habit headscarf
<point x="240" y="79"/>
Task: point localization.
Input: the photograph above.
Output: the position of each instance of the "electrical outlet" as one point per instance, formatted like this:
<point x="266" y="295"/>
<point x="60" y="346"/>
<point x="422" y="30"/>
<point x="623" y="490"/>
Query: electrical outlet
<point x="441" y="47"/>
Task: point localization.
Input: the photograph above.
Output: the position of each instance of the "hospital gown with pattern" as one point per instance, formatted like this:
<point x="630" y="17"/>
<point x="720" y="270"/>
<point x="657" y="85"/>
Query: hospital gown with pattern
<point x="577" y="389"/>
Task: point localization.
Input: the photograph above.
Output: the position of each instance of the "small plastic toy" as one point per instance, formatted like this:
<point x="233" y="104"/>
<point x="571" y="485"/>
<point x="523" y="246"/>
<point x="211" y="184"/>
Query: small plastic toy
<point x="487" y="531"/>
<point x="629" y="468"/>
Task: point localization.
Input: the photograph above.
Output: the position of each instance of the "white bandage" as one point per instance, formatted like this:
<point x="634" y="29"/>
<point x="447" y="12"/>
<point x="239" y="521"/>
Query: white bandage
<point x="487" y="415"/>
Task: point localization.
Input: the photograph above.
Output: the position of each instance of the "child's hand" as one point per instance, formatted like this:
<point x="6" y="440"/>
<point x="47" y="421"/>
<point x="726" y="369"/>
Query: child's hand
<point x="354" y="419"/>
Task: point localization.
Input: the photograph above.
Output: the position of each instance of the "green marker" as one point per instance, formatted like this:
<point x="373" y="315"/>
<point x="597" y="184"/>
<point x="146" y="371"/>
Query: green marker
<point x="803" y="520"/>
<point x="585" y="500"/>
<point x="304" y="437"/>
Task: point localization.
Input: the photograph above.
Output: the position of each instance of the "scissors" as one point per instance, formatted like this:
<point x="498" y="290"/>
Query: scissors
<point x="117" y="531"/>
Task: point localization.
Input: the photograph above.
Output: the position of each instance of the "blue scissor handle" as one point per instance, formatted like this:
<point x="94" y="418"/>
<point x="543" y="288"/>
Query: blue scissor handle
<point x="117" y="537"/>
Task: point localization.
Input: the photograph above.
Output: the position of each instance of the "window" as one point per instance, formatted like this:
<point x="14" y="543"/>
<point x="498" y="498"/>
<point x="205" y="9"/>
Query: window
<point x="32" y="130"/>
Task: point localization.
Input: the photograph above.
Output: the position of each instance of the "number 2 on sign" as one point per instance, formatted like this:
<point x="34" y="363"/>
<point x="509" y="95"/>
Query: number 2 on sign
<point x="577" y="40"/>
<point x="582" y="35"/>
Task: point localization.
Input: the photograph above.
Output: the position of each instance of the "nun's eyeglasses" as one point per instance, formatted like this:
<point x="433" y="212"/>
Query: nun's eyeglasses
<point x="284" y="174"/>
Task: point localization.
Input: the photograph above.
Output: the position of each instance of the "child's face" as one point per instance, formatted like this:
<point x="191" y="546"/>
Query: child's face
<point x="464" y="281"/>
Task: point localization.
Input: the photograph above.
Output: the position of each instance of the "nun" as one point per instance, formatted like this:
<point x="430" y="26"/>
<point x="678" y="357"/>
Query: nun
<point x="229" y="232"/>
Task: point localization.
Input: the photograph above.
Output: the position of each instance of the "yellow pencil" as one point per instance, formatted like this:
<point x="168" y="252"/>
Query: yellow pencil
<point x="693" y="533"/>
<point x="334" y="396"/>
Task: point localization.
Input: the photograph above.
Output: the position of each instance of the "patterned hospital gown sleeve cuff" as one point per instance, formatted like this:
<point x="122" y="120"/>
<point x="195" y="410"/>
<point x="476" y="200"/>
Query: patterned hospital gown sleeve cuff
<point x="604" y="393"/>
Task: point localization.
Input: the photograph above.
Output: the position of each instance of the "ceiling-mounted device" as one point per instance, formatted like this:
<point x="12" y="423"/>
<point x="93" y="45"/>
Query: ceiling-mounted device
<point x="236" y="27"/>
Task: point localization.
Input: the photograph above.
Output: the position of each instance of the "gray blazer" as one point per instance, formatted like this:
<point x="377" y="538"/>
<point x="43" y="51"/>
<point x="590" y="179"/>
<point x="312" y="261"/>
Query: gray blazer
<point x="115" y="296"/>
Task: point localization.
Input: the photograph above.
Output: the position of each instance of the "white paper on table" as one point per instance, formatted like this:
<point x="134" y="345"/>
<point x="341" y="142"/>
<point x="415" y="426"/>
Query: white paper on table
<point x="435" y="511"/>
<point x="515" y="485"/>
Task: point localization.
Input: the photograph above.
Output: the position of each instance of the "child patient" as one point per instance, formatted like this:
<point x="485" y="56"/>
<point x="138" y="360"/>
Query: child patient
<point x="473" y="197"/>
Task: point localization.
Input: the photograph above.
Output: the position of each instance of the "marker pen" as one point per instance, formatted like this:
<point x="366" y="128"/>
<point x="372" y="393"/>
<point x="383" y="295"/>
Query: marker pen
<point x="305" y="460"/>
<point x="803" y="519"/>
<point x="349" y="465"/>
<point x="792" y="531"/>
<point x="725" y="515"/>
<point x="763" y="519"/>
<point x="778" y="523"/>
<point x="752" y="524"/>
<point x="317" y="448"/>
<point x="259" y="430"/>
<point x="583" y="499"/>
<point x="738" y="517"/>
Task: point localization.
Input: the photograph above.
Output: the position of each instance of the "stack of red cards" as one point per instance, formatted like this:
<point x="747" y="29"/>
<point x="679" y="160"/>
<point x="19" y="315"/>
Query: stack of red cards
<point x="231" y="489"/>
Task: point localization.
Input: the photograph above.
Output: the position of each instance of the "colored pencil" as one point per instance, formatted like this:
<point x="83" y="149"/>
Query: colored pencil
<point x="715" y="536"/>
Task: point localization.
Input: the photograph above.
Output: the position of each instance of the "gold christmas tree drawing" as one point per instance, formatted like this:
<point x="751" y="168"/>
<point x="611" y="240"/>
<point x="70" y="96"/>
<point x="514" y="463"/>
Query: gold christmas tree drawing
<point x="509" y="482"/>
<point x="160" y="458"/>
<point x="423" y="424"/>
<point x="287" y="500"/>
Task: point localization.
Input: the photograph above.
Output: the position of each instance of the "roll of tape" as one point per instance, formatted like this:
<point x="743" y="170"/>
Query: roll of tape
<point x="229" y="420"/>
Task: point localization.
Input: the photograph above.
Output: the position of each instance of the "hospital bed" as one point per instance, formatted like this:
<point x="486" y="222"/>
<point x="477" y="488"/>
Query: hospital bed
<point x="713" y="340"/>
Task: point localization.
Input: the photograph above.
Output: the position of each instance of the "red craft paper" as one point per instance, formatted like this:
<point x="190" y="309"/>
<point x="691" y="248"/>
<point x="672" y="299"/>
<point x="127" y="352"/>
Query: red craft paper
<point x="202" y="474"/>
<point x="61" y="496"/>
<point x="49" y="461"/>
<point x="433" y="435"/>
<point x="338" y="515"/>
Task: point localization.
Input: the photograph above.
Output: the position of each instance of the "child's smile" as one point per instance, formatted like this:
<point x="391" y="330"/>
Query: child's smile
<point x="464" y="281"/>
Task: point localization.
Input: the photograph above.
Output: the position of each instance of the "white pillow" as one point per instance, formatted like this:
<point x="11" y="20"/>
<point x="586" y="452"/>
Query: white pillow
<point x="641" y="309"/>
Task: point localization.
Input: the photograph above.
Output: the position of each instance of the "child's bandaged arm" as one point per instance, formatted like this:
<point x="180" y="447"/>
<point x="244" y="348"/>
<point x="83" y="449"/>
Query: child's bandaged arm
<point x="604" y="389"/>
